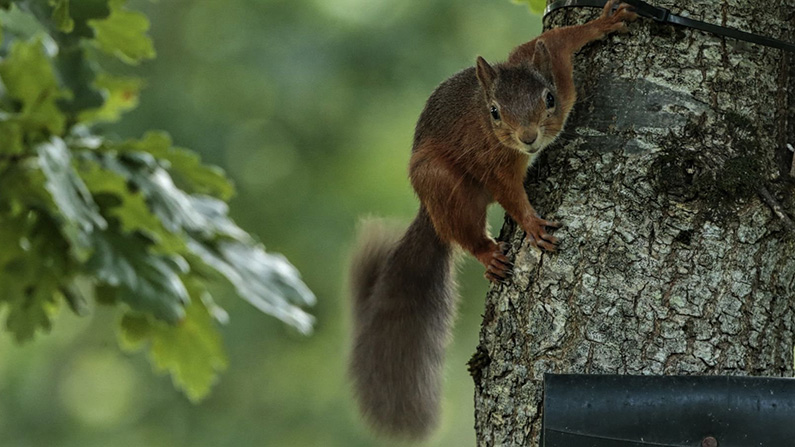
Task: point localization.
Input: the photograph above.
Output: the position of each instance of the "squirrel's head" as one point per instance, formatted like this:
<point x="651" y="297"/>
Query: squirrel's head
<point x="521" y="102"/>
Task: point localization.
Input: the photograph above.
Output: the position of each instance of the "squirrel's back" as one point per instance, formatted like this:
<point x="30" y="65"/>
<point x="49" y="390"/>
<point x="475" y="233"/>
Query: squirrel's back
<point x="448" y="113"/>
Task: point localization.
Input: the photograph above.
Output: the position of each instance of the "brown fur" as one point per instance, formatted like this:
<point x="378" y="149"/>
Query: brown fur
<point x="462" y="160"/>
<point x="404" y="301"/>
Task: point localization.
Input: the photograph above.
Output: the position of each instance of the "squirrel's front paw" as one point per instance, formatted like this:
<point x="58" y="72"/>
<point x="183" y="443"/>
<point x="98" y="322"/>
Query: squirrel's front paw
<point x="538" y="236"/>
<point x="615" y="20"/>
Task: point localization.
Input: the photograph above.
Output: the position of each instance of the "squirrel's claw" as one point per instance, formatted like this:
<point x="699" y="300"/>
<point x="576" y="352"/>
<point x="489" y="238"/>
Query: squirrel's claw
<point x="611" y="11"/>
<point x="541" y="242"/>
<point x="493" y="277"/>
<point x="539" y="238"/>
<point x="615" y="20"/>
<point x="498" y="267"/>
<point x="549" y="223"/>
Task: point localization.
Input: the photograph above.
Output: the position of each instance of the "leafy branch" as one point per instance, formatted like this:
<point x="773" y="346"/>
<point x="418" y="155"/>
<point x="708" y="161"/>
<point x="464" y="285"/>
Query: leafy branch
<point x="138" y="224"/>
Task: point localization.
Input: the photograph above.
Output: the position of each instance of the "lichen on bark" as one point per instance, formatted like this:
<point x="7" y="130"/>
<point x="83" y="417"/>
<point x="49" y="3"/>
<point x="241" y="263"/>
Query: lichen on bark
<point x="670" y="262"/>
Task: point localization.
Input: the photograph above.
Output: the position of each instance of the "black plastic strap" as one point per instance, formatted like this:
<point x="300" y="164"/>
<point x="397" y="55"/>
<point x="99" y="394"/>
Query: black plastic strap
<point x="663" y="15"/>
<point x="668" y="411"/>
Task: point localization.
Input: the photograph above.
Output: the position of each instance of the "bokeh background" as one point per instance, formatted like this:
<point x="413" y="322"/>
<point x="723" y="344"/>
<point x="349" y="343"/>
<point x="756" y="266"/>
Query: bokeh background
<point x="309" y="106"/>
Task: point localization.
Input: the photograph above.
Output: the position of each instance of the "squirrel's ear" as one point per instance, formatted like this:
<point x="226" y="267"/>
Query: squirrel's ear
<point x="486" y="74"/>
<point x="542" y="61"/>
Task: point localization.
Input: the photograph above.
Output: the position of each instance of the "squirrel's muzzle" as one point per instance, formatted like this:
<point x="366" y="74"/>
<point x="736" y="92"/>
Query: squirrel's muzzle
<point x="528" y="136"/>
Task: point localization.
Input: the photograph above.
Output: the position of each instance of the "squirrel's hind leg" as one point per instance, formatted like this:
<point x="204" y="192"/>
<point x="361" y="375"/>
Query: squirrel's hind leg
<point x="461" y="218"/>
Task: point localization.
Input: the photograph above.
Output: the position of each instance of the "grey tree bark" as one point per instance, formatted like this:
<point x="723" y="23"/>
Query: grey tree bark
<point x="677" y="255"/>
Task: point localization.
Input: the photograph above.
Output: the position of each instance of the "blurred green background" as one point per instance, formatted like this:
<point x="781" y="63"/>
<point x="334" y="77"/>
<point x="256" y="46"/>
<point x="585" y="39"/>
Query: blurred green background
<point x="309" y="106"/>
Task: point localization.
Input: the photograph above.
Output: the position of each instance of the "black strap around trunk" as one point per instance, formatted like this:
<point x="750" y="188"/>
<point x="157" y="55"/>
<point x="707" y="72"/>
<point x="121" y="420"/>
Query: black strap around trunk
<point x="664" y="15"/>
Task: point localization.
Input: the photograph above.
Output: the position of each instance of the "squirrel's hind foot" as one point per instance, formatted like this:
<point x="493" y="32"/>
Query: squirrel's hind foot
<point x="498" y="267"/>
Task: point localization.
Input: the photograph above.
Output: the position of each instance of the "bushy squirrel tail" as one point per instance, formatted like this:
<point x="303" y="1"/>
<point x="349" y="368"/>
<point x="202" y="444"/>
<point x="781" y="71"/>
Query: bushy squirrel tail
<point x="403" y="306"/>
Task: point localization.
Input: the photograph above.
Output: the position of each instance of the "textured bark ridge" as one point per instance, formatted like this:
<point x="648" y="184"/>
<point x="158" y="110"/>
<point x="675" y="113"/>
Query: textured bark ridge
<point x="670" y="261"/>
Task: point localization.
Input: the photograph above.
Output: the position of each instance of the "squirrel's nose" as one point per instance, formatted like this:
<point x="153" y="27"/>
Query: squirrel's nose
<point x="528" y="137"/>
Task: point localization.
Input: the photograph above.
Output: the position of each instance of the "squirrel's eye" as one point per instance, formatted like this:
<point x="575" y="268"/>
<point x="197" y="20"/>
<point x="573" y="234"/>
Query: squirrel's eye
<point x="550" y="100"/>
<point x="495" y="113"/>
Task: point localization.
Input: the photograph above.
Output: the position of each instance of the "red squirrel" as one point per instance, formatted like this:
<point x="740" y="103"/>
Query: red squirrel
<point x="473" y="143"/>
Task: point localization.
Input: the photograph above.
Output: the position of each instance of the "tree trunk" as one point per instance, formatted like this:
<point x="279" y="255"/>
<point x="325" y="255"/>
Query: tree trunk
<point x="672" y="258"/>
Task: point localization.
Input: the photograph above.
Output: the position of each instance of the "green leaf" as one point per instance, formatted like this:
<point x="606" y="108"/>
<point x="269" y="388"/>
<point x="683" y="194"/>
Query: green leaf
<point x="106" y="295"/>
<point x="82" y="11"/>
<point x="121" y="95"/>
<point x="191" y="352"/>
<point x="75" y="204"/>
<point x="135" y="215"/>
<point x="135" y="331"/>
<point x="77" y="74"/>
<point x="22" y="187"/>
<point x="123" y="34"/>
<point x="171" y="205"/>
<point x="147" y="282"/>
<point x="20" y="24"/>
<point x="31" y="309"/>
<point x="167" y="202"/>
<point x="76" y="299"/>
<point x="13" y="229"/>
<point x="60" y="15"/>
<point x="32" y="269"/>
<point x="130" y="207"/>
<point x="267" y="281"/>
<point x="29" y="78"/>
<point x="536" y="6"/>
<point x="185" y="165"/>
<point x="10" y="136"/>
<point x="27" y="73"/>
<point x="215" y="219"/>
